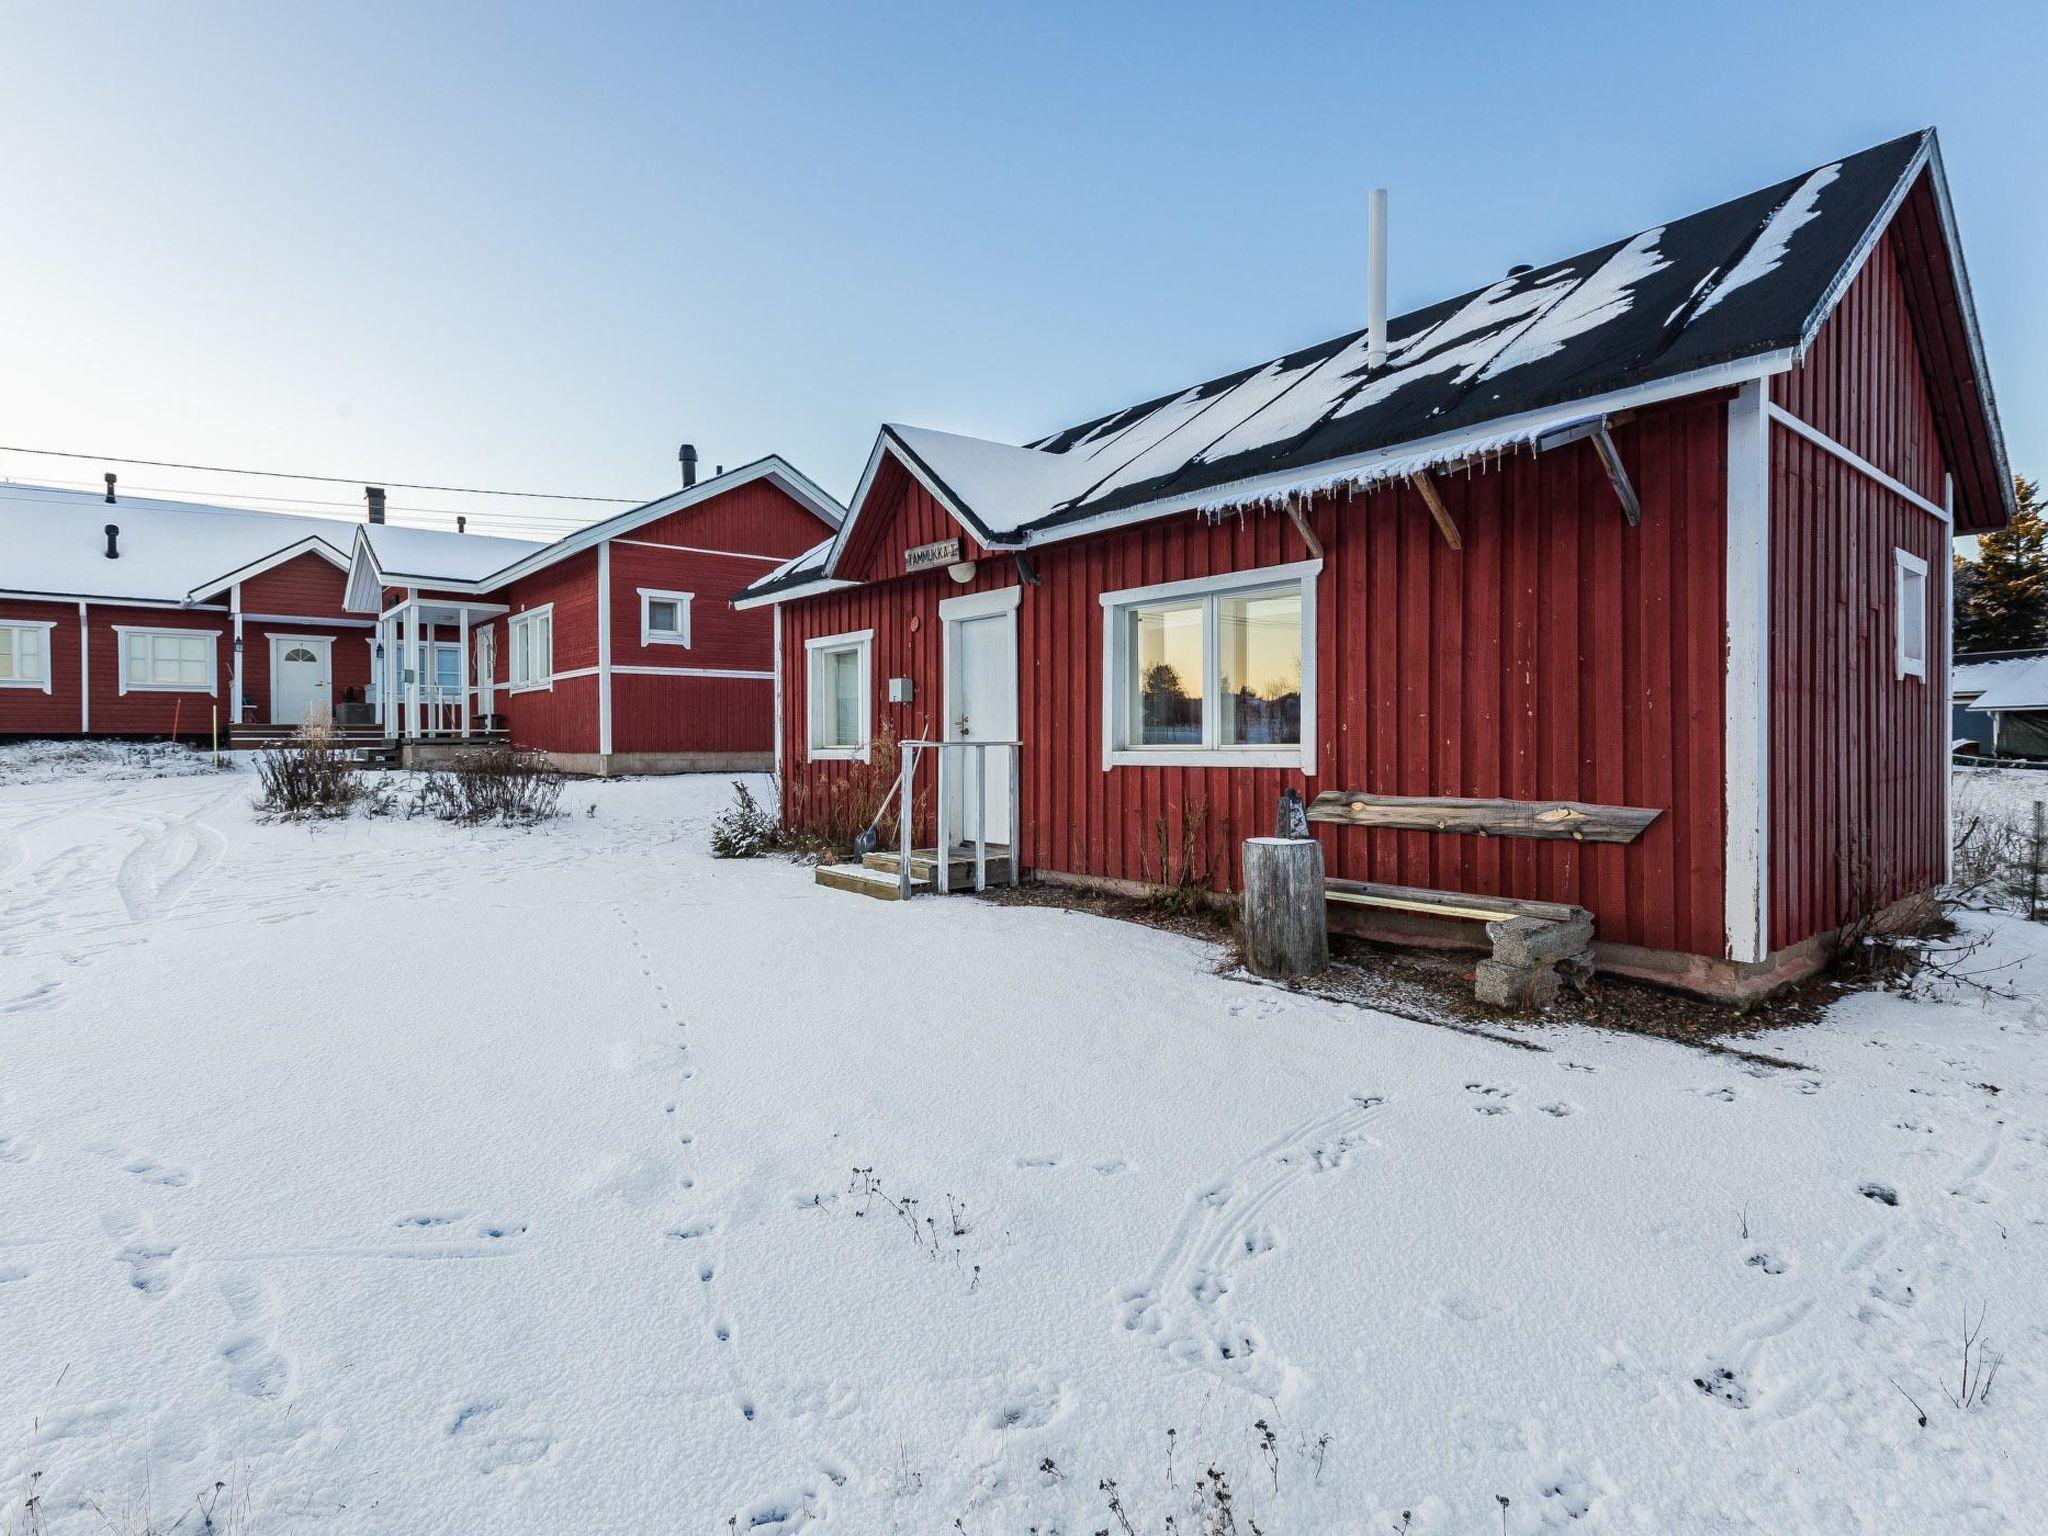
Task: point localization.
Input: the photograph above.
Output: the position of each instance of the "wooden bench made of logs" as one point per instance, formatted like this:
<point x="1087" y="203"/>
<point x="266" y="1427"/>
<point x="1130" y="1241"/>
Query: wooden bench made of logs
<point x="1558" y="819"/>
<point x="1537" y="945"/>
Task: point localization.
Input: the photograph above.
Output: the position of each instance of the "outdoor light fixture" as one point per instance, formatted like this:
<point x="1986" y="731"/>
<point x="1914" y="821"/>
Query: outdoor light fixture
<point x="961" y="571"/>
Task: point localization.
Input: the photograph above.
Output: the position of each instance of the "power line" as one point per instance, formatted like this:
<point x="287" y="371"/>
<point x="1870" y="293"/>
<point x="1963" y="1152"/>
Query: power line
<point x="564" y="520"/>
<point x="276" y="474"/>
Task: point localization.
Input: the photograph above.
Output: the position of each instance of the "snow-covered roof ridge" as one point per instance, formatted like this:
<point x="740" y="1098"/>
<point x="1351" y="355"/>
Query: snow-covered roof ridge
<point x="52" y="543"/>
<point x="1737" y="285"/>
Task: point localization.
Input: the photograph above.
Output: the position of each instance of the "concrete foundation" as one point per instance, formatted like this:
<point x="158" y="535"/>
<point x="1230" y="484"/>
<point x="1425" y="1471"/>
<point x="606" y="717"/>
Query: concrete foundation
<point x="599" y="765"/>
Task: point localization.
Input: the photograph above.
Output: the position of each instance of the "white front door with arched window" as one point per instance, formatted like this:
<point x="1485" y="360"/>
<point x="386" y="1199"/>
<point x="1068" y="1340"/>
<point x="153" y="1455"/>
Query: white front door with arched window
<point x="301" y="679"/>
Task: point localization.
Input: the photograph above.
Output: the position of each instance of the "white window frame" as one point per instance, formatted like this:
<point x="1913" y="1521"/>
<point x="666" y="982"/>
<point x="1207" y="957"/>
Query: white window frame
<point x="649" y="635"/>
<point x="862" y="643"/>
<point x="1210" y="754"/>
<point x="131" y="685"/>
<point x="43" y="628"/>
<point x="515" y="644"/>
<point x="1909" y="576"/>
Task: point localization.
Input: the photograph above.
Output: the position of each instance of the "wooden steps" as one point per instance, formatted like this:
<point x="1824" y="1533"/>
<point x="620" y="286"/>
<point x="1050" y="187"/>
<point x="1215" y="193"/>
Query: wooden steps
<point x="880" y="874"/>
<point x="863" y="881"/>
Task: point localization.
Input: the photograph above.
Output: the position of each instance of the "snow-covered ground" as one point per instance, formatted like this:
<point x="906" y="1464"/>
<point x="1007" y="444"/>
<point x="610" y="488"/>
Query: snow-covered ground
<point x="416" y="1179"/>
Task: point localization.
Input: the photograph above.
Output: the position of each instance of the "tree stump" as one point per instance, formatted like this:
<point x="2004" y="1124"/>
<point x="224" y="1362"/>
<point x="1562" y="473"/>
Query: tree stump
<point x="1286" y="922"/>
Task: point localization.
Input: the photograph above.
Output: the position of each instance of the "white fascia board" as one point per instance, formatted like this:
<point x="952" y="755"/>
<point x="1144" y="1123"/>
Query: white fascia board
<point x="788" y="594"/>
<point x="1448" y="445"/>
<point x="312" y="544"/>
<point x="773" y="467"/>
<point x="1858" y="257"/>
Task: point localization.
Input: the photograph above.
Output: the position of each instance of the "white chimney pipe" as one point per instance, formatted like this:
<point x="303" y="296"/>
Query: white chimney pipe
<point x="1376" y="279"/>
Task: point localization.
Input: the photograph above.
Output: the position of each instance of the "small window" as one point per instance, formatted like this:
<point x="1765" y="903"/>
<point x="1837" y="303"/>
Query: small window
<point x="664" y="617"/>
<point x="1216" y="671"/>
<point x="532" y="639"/>
<point x="1910" y="617"/>
<point x="167" y="660"/>
<point x="299" y="653"/>
<point x="25" y="656"/>
<point x="839" y="695"/>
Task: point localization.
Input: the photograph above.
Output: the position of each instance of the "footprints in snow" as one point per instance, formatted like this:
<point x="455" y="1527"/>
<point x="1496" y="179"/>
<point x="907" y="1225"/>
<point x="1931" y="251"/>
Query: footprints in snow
<point x="476" y="1426"/>
<point x="149" y="1261"/>
<point x="255" y="1367"/>
<point x="1181" y="1304"/>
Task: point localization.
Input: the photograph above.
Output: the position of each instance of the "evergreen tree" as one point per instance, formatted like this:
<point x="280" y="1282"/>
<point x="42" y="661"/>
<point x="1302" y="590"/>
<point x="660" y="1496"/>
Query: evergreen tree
<point x="2002" y="600"/>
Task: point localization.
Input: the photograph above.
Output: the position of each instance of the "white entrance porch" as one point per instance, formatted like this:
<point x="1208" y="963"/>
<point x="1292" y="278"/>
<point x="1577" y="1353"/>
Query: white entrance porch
<point x="422" y="672"/>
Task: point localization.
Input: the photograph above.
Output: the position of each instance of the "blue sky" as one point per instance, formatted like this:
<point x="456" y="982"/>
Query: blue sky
<point x="537" y="246"/>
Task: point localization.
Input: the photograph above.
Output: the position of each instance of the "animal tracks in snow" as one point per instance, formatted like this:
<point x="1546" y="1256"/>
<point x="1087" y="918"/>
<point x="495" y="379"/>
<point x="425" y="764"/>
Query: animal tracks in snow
<point x="1182" y="1303"/>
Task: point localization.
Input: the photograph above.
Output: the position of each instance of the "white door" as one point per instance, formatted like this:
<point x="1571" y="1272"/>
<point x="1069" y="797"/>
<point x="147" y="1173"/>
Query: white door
<point x="486" y="671"/>
<point x="301" y="680"/>
<point x="982" y="706"/>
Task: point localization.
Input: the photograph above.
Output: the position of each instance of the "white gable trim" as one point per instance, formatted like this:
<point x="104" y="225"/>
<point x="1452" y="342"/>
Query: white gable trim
<point x="312" y="544"/>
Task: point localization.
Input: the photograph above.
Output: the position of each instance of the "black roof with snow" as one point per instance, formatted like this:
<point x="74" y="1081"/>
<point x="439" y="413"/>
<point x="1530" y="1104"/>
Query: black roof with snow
<point x="1736" y="281"/>
<point x="1726" y="293"/>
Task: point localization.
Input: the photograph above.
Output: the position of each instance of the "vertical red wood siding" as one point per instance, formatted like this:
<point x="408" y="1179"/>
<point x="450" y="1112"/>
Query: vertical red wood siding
<point x="1858" y="754"/>
<point x="1563" y="654"/>
<point x="710" y="550"/>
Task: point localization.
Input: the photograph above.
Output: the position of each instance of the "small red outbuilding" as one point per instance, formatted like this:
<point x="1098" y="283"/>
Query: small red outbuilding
<point x="1663" y="526"/>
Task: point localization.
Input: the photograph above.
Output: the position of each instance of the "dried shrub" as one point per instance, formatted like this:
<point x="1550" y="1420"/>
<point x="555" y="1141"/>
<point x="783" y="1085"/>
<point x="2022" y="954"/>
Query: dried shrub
<point x="1180" y="876"/>
<point x="827" y="813"/>
<point x="311" y="776"/>
<point x="496" y="783"/>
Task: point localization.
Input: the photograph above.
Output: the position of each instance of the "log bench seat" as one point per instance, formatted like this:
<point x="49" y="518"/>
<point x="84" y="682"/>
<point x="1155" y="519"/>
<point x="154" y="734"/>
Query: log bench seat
<point x="1537" y="945"/>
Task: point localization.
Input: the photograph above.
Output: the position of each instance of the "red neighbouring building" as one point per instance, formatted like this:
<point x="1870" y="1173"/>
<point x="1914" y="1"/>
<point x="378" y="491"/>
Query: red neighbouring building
<point x="616" y="649"/>
<point x="122" y="616"/>
<point x="1665" y="525"/>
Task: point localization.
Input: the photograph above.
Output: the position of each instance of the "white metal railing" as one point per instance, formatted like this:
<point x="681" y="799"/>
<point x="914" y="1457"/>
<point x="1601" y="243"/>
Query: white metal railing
<point x="976" y="753"/>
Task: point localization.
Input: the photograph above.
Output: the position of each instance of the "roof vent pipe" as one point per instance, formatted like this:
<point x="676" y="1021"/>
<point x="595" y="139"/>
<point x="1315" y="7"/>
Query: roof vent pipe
<point x="374" y="496"/>
<point x="687" y="457"/>
<point x="113" y="541"/>
<point x="462" y="525"/>
<point x="110" y="488"/>
<point x="1376" y="279"/>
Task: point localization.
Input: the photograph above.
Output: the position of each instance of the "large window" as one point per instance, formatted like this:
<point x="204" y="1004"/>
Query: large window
<point x="1910" y="618"/>
<point x="167" y="660"/>
<point x="25" y="656"/>
<point x="838" y="694"/>
<point x="532" y="639"/>
<point x="664" y="617"/>
<point x="1219" y="671"/>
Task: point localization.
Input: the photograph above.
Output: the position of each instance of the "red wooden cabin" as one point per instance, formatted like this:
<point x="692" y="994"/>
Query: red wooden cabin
<point x="613" y="650"/>
<point x="1665" y="526"/>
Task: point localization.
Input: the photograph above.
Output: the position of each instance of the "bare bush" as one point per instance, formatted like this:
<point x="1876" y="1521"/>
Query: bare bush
<point x="828" y="814"/>
<point x="311" y="776"/>
<point x="509" y="785"/>
<point x="1180" y="876"/>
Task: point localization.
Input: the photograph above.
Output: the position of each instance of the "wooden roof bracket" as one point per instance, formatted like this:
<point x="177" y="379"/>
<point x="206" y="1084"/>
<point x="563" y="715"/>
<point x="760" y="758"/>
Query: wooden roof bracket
<point x="1308" y="534"/>
<point x="1426" y="489"/>
<point x="1610" y="458"/>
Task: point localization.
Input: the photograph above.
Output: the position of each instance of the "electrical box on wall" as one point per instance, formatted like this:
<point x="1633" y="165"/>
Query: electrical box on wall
<point x="901" y="690"/>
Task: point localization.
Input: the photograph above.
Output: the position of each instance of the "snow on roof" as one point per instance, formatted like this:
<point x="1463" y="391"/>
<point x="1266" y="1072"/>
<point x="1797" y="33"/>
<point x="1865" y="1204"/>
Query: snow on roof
<point x="794" y="572"/>
<point x="1741" y="280"/>
<point x="2020" y="685"/>
<point x="426" y="555"/>
<point x="1971" y="675"/>
<point x="53" y="541"/>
